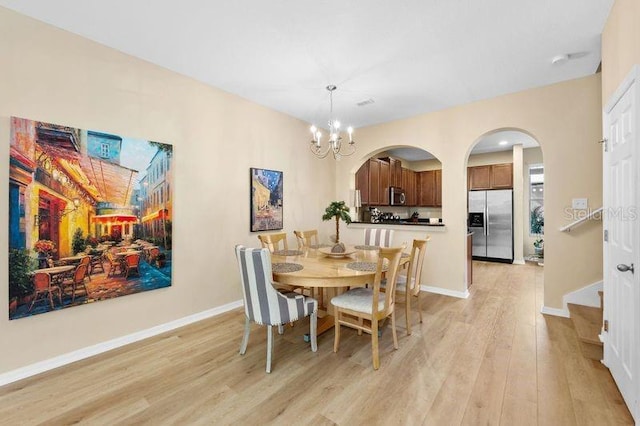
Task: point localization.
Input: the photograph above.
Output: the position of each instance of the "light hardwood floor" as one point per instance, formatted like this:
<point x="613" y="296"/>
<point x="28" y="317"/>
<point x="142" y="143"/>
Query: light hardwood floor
<point x="491" y="359"/>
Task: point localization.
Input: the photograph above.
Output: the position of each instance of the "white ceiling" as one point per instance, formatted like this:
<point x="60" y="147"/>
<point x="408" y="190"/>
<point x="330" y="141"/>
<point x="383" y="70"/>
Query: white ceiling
<point x="410" y="57"/>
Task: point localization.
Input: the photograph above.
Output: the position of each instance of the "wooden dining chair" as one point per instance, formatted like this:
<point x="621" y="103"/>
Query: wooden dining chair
<point x="306" y="238"/>
<point x="264" y="305"/>
<point x="44" y="289"/>
<point x="114" y="264"/>
<point x="408" y="286"/>
<point x="272" y="241"/>
<point x="378" y="237"/>
<point x="370" y="305"/>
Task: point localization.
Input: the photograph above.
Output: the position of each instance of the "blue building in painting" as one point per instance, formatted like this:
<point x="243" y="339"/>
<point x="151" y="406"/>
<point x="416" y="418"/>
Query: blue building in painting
<point x="104" y="146"/>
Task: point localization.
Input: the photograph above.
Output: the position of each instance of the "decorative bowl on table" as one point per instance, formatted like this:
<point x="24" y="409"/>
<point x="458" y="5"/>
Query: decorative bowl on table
<point x="327" y="251"/>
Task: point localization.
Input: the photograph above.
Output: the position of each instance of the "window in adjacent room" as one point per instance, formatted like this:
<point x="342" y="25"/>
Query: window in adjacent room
<point x="536" y="199"/>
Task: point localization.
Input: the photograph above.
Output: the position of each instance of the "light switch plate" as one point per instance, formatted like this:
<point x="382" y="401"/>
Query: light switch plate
<point x="579" y="203"/>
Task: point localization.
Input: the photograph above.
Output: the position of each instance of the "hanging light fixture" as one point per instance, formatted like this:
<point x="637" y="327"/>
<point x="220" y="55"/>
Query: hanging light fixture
<point x="334" y="144"/>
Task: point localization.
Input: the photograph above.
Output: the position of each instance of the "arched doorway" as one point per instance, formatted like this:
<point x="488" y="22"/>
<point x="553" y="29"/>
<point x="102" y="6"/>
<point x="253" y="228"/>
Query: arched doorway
<point x="505" y="188"/>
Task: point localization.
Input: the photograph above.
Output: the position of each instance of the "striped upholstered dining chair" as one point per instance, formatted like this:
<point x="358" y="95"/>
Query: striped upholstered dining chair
<point x="264" y="305"/>
<point x="378" y="237"/>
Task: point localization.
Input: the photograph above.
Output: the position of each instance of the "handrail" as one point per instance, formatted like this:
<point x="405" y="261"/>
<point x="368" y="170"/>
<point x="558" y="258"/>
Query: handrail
<point x="580" y="221"/>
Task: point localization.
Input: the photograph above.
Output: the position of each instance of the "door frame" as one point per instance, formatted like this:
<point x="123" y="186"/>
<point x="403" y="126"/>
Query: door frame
<point x="630" y="79"/>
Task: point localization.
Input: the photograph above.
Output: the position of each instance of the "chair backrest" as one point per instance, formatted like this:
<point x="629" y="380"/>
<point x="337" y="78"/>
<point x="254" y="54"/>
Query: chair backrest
<point x="272" y="241"/>
<point x="132" y="259"/>
<point x="85" y="260"/>
<point x="80" y="273"/>
<point x="41" y="281"/>
<point x="414" y="269"/>
<point x="378" y="237"/>
<point x="389" y="257"/>
<point x="261" y="302"/>
<point x="306" y="238"/>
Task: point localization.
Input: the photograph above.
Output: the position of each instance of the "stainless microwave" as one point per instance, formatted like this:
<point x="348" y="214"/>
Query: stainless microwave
<point x="397" y="196"/>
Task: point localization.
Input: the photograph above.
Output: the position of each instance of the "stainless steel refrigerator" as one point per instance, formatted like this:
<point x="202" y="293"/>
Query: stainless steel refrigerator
<point x="491" y="221"/>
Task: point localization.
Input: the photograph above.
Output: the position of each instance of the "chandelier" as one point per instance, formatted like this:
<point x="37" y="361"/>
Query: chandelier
<point x="334" y="144"/>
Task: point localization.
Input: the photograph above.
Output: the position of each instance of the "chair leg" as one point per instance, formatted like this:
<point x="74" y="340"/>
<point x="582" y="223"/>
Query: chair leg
<point x="407" y="312"/>
<point x="361" y="324"/>
<point x="418" y="306"/>
<point x="374" y="343"/>
<point x="269" y="346"/>
<point x="336" y="340"/>
<point x="314" y="331"/>
<point x="393" y="330"/>
<point x="50" y="299"/>
<point x="245" y="337"/>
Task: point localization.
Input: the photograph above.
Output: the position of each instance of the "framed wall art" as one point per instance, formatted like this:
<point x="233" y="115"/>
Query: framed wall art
<point x="266" y="200"/>
<point x="90" y="216"/>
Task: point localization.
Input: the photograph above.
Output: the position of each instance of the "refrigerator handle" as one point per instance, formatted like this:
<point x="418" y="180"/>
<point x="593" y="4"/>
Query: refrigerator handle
<point x="486" y="220"/>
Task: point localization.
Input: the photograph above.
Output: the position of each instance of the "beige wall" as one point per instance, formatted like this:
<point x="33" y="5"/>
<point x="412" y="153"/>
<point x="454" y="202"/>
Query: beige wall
<point x="564" y="118"/>
<point x="620" y="45"/>
<point x="54" y="76"/>
<point x="487" y="158"/>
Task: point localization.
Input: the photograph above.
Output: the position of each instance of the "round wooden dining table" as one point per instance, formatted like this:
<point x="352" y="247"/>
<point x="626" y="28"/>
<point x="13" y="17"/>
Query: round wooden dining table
<point x="331" y="274"/>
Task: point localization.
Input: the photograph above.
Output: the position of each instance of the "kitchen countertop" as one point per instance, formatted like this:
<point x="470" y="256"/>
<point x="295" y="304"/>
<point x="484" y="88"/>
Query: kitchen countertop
<point x="401" y="224"/>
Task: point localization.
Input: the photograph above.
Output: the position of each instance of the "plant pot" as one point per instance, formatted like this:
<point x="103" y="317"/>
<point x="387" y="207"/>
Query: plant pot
<point x="539" y="251"/>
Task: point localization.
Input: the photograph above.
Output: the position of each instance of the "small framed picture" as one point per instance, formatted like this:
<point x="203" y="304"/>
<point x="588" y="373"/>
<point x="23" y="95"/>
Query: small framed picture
<point x="266" y="200"/>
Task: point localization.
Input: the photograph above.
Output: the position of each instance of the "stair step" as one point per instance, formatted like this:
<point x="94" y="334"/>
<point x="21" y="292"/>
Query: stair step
<point x="587" y="321"/>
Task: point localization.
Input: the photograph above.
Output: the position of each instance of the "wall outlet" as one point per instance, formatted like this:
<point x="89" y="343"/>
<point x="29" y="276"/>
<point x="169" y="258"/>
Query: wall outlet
<point x="579" y="203"/>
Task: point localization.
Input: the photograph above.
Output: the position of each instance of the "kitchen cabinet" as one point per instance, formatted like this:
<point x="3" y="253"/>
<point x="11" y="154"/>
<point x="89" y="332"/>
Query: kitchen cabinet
<point x="409" y="186"/>
<point x="479" y="177"/>
<point x="385" y="174"/>
<point x="502" y="176"/>
<point x="372" y="179"/>
<point x="395" y="171"/>
<point x="494" y="176"/>
<point x="429" y="188"/>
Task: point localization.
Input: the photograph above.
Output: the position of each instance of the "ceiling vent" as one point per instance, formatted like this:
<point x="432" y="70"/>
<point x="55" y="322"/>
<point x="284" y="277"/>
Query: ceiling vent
<point x="365" y="102"/>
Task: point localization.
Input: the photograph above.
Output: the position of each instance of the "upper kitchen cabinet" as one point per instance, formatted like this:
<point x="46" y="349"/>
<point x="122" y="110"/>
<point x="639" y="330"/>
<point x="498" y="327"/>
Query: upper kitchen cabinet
<point x="372" y="179"/>
<point x="409" y="186"/>
<point x="502" y="176"/>
<point x="429" y="188"/>
<point x="494" y="176"/>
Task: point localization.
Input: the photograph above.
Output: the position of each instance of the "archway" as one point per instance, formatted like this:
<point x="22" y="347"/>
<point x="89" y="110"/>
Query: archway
<point x="398" y="184"/>
<point x="505" y="172"/>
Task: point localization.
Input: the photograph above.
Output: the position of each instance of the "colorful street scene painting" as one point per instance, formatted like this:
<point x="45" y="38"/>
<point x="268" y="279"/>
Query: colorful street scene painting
<point x="266" y="200"/>
<point x="90" y="216"/>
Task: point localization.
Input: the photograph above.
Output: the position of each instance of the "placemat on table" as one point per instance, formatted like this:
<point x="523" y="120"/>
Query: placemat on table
<point x="287" y="252"/>
<point x="367" y="247"/>
<point x="363" y="266"/>
<point x="284" y="267"/>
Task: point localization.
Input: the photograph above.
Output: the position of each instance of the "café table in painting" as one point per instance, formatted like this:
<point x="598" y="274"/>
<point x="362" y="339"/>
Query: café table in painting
<point x="332" y="274"/>
<point x="56" y="273"/>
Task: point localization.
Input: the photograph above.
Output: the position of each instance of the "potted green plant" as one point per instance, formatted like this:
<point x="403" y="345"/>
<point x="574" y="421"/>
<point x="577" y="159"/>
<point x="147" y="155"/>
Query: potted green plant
<point x="538" y="246"/>
<point x="337" y="210"/>
<point x="20" y="284"/>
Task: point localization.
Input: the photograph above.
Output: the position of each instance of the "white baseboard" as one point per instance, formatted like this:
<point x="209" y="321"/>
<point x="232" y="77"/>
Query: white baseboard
<point x="89" y="351"/>
<point x="445" y="292"/>
<point x="587" y="296"/>
<point x="555" y="312"/>
<point x="518" y="262"/>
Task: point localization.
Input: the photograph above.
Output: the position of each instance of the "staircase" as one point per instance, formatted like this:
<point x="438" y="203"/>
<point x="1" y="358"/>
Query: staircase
<point x="587" y="321"/>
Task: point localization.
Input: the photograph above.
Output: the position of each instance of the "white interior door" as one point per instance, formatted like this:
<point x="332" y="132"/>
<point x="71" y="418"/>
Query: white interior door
<point x="621" y="265"/>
